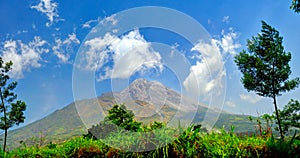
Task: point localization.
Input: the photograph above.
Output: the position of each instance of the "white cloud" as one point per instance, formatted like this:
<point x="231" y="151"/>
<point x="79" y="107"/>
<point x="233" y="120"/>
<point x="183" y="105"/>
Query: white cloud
<point x="133" y="47"/>
<point x="48" y="8"/>
<point x="252" y="98"/>
<point x="129" y="53"/>
<point x="110" y="20"/>
<point x="72" y="38"/>
<point x="22" y="31"/>
<point x="24" y="56"/>
<point x="225" y="19"/>
<point x="115" y="30"/>
<point x="88" y="23"/>
<point x="208" y="72"/>
<point x="227" y="42"/>
<point x="230" y="104"/>
<point x="97" y="53"/>
<point x="62" y="49"/>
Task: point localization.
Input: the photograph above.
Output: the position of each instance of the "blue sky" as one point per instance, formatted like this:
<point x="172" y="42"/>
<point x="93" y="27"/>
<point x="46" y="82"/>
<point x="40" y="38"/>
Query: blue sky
<point x="43" y="38"/>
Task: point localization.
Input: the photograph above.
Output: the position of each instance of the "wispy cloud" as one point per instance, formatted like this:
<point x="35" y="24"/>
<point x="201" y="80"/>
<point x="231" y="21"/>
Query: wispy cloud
<point x="225" y="19"/>
<point x="252" y="98"/>
<point x="48" y="8"/>
<point x="129" y="53"/>
<point x="22" y="31"/>
<point x="24" y="56"/>
<point x="230" y="103"/>
<point x="110" y="20"/>
<point x="63" y="48"/>
<point x="228" y="42"/>
<point x="90" y="22"/>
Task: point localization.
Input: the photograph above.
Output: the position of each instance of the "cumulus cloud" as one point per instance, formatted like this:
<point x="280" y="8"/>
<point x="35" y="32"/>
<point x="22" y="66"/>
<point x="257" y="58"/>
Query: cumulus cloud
<point x="63" y="48"/>
<point x="252" y="98"/>
<point x="24" y="56"/>
<point x="48" y="8"/>
<point x="119" y="57"/>
<point x="208" y="72"/>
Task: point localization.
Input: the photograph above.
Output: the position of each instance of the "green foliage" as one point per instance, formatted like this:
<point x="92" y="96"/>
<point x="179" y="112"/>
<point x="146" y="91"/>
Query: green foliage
<point x="263" y="127"/>
<point x="295" y="6"/>
<point x="290" y="115"/>
<point x="265" y="66"/>
<point x="118" y="118"/>
<point x="12" y="112"/>
<point x="165" y="142"/>
<point x="122" y="117"/>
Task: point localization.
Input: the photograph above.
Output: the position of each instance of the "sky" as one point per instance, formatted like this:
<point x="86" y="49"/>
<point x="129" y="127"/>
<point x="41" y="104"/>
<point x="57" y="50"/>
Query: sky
<point x="68" y="50"/>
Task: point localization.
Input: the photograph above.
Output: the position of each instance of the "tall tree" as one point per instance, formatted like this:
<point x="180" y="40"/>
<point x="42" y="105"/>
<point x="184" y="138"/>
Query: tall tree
<point x="265" y="66"/>
<point x="11" y="112"/>
<point x="295" y="6"/>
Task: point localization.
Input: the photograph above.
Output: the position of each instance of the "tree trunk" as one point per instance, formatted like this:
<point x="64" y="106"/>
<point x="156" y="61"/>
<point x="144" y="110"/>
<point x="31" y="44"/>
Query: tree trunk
<point x="5" y="137"/>
<point x="5" y="130"/>
<point x="278" y="119"/>
<point x="5" y="120"/>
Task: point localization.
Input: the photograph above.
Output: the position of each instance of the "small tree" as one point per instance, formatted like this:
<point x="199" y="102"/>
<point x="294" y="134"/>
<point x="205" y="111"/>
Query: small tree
<point x="268" y="118"/>
<point x="290" y="115"/>
<point x="265" y="66"/>
<point x="295" y="6"/>
<point x="118" y="118"/>
<point x="124" y="118"/>
<point x="12" y="112"/>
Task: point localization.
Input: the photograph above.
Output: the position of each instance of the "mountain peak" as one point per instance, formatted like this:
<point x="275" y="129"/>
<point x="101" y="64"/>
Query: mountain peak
<point x="142" y="89"/>
<point x="145" y="83"/>
<point x="140" y="81"/>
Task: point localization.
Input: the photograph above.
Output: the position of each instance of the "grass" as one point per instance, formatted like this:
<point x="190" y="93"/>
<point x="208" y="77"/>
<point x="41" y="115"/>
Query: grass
<point x="167" y="143"/>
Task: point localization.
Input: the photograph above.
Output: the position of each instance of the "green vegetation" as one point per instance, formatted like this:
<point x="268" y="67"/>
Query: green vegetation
<point x="265" y="67"/>
<point x="12" y="111"/>
<point x="290" y="116"/>
<point x="166" y="142"/>
<point x="61" y="125"/>
<point x="118" y="118"/>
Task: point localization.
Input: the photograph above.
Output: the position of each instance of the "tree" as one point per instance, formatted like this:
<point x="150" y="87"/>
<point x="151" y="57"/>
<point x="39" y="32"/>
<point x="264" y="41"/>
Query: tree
<point x="295" y="6"/>
<point x="268" y="118"/>
<point x="124" y="118"/>
<point x="290" y="115"/>
<point x="118" y="118"/>
<point x="12" y="112"/>
<point x="265" y="66"/>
